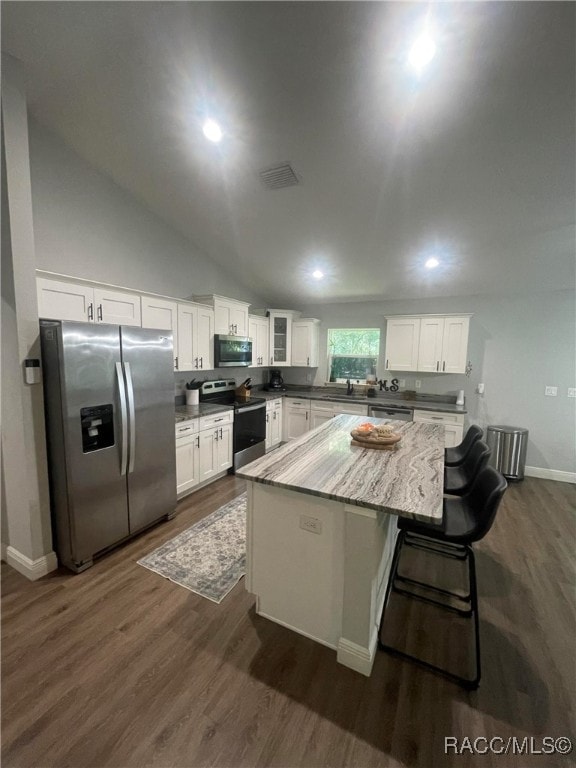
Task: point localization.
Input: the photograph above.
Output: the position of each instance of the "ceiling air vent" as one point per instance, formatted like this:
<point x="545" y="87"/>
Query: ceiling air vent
<point x="279" y="176"/>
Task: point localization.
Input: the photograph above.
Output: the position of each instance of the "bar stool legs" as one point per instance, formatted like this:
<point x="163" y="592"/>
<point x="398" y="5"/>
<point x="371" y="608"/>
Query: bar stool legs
<point x="462" y="552"/>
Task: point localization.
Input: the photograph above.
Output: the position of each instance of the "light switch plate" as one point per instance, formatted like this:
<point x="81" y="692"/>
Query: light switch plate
<point x="551" y="391"/>
<point x="571" y="391"/>
<point x="417" y="383"/>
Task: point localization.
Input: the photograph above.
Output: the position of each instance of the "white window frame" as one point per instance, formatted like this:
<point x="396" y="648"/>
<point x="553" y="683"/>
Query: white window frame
<point x="342" y="382"/>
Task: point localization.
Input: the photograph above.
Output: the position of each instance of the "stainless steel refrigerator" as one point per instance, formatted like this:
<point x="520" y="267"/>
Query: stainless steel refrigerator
<point x="109" y="400"/>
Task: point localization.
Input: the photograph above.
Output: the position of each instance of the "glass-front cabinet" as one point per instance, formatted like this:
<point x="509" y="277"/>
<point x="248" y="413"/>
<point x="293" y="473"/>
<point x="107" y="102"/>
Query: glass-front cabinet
<point x="281" y="336"/>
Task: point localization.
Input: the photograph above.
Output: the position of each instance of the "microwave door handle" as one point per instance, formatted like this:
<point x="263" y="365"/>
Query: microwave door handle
<point x="123" y="418"/>
<point x="132" y="416"/>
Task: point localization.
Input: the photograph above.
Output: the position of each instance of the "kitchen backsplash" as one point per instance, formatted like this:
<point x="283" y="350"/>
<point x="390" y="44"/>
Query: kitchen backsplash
<point x="258" y="376"/>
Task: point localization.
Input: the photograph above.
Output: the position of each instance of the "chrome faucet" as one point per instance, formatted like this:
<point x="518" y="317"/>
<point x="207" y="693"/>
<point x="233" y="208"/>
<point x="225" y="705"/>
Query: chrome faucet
<point x="349" y="387"/>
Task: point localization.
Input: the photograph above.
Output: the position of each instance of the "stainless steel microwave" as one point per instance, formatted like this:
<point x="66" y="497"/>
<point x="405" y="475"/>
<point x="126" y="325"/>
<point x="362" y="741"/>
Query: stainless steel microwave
<point x="232" y="351"/>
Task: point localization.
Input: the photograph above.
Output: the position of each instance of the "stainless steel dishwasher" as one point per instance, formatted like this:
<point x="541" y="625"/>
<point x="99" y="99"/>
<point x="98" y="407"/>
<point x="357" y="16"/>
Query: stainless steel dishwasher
<point x="397" y="412"/>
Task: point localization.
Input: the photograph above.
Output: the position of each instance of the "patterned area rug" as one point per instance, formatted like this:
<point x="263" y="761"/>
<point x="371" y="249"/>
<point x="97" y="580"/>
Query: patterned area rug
<point x="210" y="557"/>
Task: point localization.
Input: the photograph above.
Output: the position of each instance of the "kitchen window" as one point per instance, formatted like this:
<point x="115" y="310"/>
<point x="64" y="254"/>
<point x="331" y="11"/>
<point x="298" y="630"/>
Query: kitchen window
<point x="353" y="354"/>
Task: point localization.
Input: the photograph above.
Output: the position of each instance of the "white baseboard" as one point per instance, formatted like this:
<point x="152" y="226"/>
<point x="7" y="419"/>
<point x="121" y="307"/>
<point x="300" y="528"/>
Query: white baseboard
<point x="32" y="569"/>
<point x="357" y="657"/>
<point x="295" y="629"/>
<point x="550" y="474"/>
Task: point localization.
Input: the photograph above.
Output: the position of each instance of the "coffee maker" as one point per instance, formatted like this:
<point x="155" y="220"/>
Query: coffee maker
<point x="276" y="380"/>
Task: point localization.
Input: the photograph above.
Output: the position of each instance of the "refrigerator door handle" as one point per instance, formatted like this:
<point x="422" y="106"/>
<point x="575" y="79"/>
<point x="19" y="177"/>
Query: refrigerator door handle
<point x="132" y="416"/>
<point x="123" y="418"/>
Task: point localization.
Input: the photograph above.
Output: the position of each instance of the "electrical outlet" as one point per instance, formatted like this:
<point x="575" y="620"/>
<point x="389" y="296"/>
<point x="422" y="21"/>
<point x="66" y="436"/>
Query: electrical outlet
<point x="571" y="391"/>
<point x="311" y="524"/>
<point x="401" y="382"/>
<point x="480" y="388"/>
<point x="551" y="391"/>
<point x="417" y="383"/>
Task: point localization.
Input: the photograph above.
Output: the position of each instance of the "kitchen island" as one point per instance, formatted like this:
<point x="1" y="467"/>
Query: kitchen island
<point x="321" y="529"/>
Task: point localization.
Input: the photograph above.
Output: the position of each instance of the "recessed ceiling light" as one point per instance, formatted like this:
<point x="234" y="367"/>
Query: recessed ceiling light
<point x="212" y="131"/>
<point x="431" y="263"/>
<point x="422" y="52"/>
<point x="318" y="274"/>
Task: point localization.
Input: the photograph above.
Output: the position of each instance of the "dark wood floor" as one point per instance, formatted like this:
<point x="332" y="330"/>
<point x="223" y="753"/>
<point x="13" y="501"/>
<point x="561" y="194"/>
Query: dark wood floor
<point x="119" y="667"/>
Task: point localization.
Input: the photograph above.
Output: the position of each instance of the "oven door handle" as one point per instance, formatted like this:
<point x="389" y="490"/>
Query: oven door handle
<point x="245" y="409"/>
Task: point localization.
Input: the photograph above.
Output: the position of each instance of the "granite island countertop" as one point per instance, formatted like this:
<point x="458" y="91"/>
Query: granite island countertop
<point x="407" y="481"/>
<point x="440" y="403"/>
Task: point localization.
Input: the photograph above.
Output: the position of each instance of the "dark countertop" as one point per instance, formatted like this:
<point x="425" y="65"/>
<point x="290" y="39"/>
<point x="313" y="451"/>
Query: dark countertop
<point x="440" y="403"/>
<point x="185" y="412"/>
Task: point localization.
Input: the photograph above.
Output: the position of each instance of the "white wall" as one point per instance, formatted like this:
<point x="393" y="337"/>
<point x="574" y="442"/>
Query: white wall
<point x="87" y="226"/>
<point x="518" y="345"/>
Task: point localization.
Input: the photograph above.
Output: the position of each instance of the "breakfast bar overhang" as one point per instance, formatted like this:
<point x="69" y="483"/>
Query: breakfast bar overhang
<point x="321" y="529"/>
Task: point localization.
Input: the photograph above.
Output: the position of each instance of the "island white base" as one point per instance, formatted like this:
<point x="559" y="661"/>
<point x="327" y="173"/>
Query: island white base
<point x="320" y="568"/>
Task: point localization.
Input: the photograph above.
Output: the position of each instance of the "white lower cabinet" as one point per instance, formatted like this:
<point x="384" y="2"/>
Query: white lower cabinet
<point x="203" y="450"/>
<point x="273" y="423"/>
<point x="187" y="456"/>
<point x="453" y="424"/>
<point x="296" y="418"/>
<point x="300" y="416"/>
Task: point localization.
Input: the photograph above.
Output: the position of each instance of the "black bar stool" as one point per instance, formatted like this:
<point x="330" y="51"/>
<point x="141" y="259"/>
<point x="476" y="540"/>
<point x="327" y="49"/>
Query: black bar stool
<point x="458" y="480"/>
<point x="465" y="519"/>
<point x="457" y="454"/>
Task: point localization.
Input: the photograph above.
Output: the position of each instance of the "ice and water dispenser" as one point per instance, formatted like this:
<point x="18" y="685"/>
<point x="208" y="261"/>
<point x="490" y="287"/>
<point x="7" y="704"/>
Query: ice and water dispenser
<point x="97" y="427"/>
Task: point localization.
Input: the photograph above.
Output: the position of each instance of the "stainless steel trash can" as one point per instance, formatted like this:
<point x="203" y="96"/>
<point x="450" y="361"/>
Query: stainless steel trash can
<point x="508" y="446"/>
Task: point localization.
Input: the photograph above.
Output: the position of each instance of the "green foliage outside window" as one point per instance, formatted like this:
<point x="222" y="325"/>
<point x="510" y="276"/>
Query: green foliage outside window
<point x="353" y="353"/>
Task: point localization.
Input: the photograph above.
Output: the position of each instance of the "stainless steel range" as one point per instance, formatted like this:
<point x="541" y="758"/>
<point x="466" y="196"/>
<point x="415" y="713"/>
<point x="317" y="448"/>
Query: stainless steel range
<point x="249" y="419"/>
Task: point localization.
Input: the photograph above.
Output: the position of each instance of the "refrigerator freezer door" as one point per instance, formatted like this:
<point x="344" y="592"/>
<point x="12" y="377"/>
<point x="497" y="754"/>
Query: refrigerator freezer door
<point x="94" y="513"/>
<point x="148" y="359"/>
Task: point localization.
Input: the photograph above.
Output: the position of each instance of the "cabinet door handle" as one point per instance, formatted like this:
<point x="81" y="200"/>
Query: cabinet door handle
<point x="272" y="360"/>
<point x="436" y="418"/>
<point x="217" y="420"/>
<point x="198" y="442"/>
<point x="216" y="435"/>
<point x="274" y="415"/>
<point x="386" y="364"/>
<point x="306" y="415"/>
<point x="90" y="311"/>
<point x="201" y="363"/>
<point x="438" y="365"/>
<point x="176" y="362"/>
<point x="99" y="311"/>
<point x="444" y="365"/>
<point x="195" y="362"/>
<point x="220" y="433"/>
<point x="267" y="419"/>
<point x="307" y="361"/>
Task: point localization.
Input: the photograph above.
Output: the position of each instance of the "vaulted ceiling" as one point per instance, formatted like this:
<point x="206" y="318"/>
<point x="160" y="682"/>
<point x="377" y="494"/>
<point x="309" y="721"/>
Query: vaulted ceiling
<point x="472" y="162"/>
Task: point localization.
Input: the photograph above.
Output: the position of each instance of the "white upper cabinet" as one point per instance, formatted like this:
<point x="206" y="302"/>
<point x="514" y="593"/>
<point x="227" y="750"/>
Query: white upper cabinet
<point x="230" y="315"/>
<point x="455" y="344"/>
<point x="68" y="300"/>
<point x="259" y="332"/>
<point x="305" y="342"/>
<point x="431" y="343"/>
<point x="280" y="353"/>
<point x="59" y="300"/>
<point x="195" y="338"/>
<point x="163" y="315"/>
<point x="402" y="339"/>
